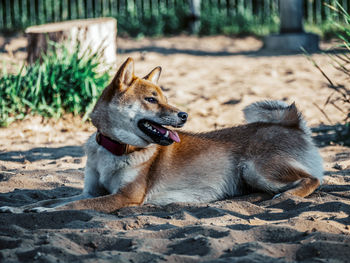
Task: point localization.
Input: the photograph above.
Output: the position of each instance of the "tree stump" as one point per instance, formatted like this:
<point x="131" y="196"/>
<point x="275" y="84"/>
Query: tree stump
<point x="96" y="34"/>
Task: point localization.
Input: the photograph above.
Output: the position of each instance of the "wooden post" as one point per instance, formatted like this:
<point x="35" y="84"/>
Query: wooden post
<point x="291" y="16"/>
<point x="292" y="37"/>
<point x="195" y="23"/>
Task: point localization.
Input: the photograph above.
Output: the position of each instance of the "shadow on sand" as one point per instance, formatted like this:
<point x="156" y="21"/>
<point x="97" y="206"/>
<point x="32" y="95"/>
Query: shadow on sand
<point x="42" y="153"/>
<point x="195" y="52"/>
<point x="325" y="135"/>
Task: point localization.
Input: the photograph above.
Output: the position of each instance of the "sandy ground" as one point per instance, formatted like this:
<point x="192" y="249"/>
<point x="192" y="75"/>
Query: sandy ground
<point x="212" y="79"/>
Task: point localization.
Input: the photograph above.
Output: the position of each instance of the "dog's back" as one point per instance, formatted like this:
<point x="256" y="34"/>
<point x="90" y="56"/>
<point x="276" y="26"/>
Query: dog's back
<point x="273" y="153"/>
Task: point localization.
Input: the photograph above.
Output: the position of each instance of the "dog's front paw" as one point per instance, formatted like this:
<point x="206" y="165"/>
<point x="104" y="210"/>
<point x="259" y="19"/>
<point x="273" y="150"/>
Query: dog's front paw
<point x="283" y="196"/>
<point x="276" y="196"/>
<point x="9" y="209"/>
<point x="39" y="209"/>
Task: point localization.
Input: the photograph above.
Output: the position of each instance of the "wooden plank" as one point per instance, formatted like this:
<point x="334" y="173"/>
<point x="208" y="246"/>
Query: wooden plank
<point x="274" y="7"/>
<point x="41" y="17"/>
<point x="75" y="9"/>
<point x="267" y="10"/>
<point x="335" y="15"/>
<point x="93" y="8"/>
<point x="114" y="8"/>
<point x="60" y="10"/>
<point x="20" y="12"/>
<point x="3" y="14"/>
<point x="150" y="7"/>
<point x="28" y="13"/>
<point x="109" y="7"/>
<point x="83" y="8"/>
<point x="309" y="11"/>
<point x="345" y="5"/>
<point x="88" y="8"/>
<point x="143" y="8"/>
<point x="156" y="7"/>
<point x="99" y="6"/>
<point x="69" y="9"/>
<point x="327" y="10"/>
<point x="7" y="14"/>
<point x="45" y="16"/>
<point x="100" y="11"/>
<point x="249" y="8"/>
<point x="136" y="10"/>
<point x="106" y="8"/>
<point x="13" y="14"/>
<point x="320" y="9"/>
<point x="36" y="12"/>
<point x="54" y="11"/>
<point x="228" y="8"/>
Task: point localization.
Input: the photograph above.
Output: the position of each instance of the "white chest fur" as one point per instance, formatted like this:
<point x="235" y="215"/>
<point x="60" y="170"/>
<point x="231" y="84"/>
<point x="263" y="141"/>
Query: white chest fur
<point x="112" y="174"/>
<point x="109" y="172"/>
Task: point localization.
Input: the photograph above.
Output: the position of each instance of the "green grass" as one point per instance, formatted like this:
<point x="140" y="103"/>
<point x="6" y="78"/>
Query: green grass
<point x="213" y="22"/>
<point x="64" y="82"/>
<point x="326" y="30"/>
<point x="164" y="22"/>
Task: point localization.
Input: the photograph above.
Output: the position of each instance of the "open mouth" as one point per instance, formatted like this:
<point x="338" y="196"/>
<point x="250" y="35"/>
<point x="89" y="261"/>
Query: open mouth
<point x="158" y="133"/>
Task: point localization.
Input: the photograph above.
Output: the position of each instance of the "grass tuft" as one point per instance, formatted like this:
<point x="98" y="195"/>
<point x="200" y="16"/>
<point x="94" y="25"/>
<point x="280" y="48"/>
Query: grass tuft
<point x="64" y="82"/>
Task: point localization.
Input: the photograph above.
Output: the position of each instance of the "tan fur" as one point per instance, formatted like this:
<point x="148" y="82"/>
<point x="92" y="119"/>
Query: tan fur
<point x="273" y="153"/>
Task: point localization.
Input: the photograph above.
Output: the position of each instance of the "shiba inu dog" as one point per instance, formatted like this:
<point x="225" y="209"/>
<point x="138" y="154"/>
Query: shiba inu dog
<point x="136" y="158"/>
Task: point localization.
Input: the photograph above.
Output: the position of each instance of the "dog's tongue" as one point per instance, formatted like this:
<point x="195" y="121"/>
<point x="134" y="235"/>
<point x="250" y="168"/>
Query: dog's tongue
<point x="172" y="134"/>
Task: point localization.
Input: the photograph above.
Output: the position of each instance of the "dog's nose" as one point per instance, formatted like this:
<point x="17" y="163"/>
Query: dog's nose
<point x="183" y="116"/>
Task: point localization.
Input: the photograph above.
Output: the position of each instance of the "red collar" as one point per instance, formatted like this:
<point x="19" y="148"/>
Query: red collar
<point x="112" y="146"/>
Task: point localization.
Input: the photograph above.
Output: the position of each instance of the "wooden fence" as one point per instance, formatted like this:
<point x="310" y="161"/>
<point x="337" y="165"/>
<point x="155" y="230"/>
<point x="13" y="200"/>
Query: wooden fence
<point x="18" y="14"/>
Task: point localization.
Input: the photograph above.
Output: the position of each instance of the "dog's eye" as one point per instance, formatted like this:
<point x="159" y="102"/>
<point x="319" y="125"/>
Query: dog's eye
<point x="151" y="100"/>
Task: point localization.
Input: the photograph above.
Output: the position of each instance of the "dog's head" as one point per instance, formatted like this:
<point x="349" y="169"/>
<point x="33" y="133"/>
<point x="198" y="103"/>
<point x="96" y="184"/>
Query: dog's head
<point x="134" y="110"/>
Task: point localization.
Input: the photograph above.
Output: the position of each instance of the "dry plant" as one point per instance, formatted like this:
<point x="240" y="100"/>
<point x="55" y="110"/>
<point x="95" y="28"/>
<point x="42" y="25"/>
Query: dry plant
<point x="339" y="97"/>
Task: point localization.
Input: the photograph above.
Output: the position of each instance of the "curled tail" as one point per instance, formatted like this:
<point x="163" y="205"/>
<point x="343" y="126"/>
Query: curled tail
<point x="274" y="111"/>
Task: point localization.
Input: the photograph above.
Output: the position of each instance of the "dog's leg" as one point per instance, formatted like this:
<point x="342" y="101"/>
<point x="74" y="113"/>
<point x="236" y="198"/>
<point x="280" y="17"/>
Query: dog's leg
<point x="106" y="204"/>
<point x="304" y="187"/>
<point x="280" y="178"/>
<point x="49" y="204"/>
<point x="132" y="194"/>
<point x="42" y="205"/>
<point x="296" y="181"/>
<point x="91" y="189"/>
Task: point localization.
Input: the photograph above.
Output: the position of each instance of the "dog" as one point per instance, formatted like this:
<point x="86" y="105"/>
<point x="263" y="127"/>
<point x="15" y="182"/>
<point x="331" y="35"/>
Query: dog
<point x="135" y="158"/>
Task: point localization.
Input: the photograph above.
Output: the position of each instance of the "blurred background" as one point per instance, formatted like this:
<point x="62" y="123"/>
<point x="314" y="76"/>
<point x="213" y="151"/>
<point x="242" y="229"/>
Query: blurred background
<point x="137" y="18"/>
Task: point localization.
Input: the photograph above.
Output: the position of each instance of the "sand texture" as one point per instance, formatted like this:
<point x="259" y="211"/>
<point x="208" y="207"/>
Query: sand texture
<point x="212" y="79"/>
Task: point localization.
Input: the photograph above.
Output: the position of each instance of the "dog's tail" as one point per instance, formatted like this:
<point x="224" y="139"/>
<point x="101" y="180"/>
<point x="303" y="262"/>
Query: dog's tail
<point x="275" y="112"/>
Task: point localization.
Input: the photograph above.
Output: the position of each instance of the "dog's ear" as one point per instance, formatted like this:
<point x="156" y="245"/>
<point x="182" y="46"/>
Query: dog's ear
<point x="125" y="75"/>
<point x="154" y="75"/>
